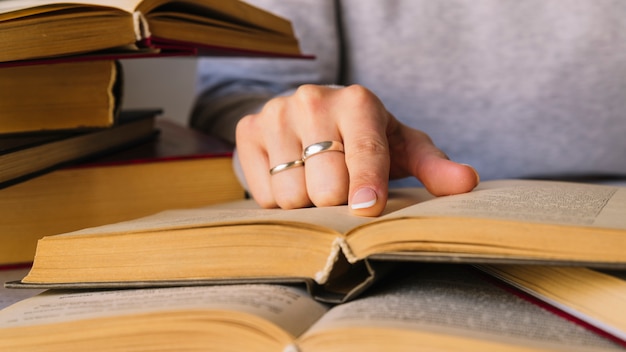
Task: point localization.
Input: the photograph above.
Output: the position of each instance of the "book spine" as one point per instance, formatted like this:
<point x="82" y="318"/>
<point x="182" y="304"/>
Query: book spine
<point x="142" y="30"/>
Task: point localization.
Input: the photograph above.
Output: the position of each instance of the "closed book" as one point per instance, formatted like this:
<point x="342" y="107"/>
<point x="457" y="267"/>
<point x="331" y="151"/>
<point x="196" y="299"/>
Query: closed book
<point x="25" y="156"/>
<point x="62" y="96"/>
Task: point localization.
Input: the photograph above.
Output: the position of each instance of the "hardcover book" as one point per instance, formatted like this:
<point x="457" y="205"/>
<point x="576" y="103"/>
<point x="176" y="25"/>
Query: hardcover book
<point x="338" y="254"/>
<point x="64" y="96"/>
<point x="32" y="30"/>
<point x="595" y="297"/>
<point x="176" y="168"/>
<point x="24" y="156"/>
<point x="419" y="307"/>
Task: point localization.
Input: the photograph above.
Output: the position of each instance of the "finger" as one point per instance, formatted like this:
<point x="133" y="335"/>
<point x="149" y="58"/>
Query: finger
<point x="367" y="159"/>
<point x="367" y="152"/>
<point x="443" y="177"/>
<point x="283" y="148"/>
<point x="432" y="167"/>
<point x="288" y="186"/>
<point x="327" y="176"/>
<point x="254" y="163"/>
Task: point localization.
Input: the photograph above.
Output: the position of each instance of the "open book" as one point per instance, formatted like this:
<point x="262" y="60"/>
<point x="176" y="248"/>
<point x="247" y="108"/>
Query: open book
<point x="35" y="29"/>
<point x="431" y="307"/>
<point x="336" y="253"/>
<point x="597" y="298"/>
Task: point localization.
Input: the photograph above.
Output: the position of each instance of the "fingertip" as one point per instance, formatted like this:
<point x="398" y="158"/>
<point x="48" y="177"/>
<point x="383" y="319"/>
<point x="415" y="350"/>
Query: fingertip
<point x="475" y="173"/>
<point x="367" y="202"/>
<point x="447" y="178"/>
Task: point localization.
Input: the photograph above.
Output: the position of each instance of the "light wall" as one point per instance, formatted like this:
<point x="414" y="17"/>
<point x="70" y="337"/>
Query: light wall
<point x="166" y="83"/>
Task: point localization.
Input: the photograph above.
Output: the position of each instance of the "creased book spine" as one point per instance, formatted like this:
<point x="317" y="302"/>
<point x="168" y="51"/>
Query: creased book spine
<point x="338" y="245"/>
<point x="142" y="31"/>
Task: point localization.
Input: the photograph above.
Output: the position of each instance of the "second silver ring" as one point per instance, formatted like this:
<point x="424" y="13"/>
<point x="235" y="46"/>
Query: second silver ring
<point x="321" y="147"/>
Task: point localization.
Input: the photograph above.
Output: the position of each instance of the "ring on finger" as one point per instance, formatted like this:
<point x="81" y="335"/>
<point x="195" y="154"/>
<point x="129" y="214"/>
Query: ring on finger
<point x="321" y="147"/>
<point x="286" y="166"/>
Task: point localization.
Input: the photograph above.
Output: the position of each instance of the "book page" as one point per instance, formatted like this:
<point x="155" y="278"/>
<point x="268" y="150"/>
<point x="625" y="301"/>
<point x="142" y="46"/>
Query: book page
<point x="533" y="201"/>
<point x="335" y="219"/>
<point x="597" y="297"/>
<point x="15" y="5"/>
<point x="455" y="300"/>
<point x="290" y="308"/>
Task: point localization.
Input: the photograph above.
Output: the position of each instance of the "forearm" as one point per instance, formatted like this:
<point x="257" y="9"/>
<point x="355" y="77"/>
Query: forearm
<point x="219" y="117"/>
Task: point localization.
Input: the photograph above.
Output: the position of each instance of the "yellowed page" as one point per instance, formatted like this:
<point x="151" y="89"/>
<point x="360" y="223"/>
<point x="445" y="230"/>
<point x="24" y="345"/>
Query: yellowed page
<point x="595" y="297"/>
<point x="562" y="203"/>
<point x="289" y="308"/>
<point x="336" y="219"/>
<point x="456" y="303"/>
<point x="7" y="6"/>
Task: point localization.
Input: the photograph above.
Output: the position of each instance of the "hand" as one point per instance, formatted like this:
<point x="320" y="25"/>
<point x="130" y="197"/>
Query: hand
<point x="377" y="147"/>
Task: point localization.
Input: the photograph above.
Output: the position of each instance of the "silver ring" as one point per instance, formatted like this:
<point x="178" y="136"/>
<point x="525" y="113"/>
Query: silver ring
<point x="286" y="166"/>
<point x="326" y="146"/>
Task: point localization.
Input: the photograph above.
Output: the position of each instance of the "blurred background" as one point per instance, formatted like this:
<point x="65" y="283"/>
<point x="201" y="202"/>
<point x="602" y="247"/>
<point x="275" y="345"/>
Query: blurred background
<point x="166" y="83"/>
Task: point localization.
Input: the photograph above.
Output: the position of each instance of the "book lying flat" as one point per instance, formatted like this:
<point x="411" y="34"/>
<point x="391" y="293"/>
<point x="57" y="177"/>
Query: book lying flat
<point x="63" y="96"/>
<point x="32" y="30"/>
<point x="176" y="168"/>
<point x="422" y="307"/>
<point x="24" y="156"/>
<point x="337" y="254"/>
<point x="597" y="298"/>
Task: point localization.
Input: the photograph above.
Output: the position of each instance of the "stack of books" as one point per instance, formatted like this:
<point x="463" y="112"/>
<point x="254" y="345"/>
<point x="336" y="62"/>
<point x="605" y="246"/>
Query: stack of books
<point x="69" y="157"/>
<point x="115" y="210"/>
<point x="68" y="51"/>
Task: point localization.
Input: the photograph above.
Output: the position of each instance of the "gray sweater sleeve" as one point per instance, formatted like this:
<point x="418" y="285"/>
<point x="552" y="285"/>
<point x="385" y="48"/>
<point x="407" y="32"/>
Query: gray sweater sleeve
<point x="516" y="89"/>
<point x="230" y="88"/>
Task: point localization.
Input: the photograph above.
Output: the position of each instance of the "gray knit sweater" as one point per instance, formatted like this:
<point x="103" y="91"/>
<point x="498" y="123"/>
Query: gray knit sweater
<point x="533" y="88"/>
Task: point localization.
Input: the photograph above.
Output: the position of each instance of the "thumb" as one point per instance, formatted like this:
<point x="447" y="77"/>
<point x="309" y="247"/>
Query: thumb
<point x="442" y="176"/>
<point x="422" y="159"/>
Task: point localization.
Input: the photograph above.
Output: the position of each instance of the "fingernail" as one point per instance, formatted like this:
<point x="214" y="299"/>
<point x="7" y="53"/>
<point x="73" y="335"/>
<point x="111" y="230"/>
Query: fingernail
<point x="475" y="172"/>
<point x="363" y="198"/>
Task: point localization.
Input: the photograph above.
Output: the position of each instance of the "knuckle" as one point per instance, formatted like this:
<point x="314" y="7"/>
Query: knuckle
<point x="310" y="96"/>
<point x="366" y="147"/>
<point x="369" y="159"/>
<point x="275" y="107"/>
<point x="244" y="124"/>
<point x="360" y="95"/>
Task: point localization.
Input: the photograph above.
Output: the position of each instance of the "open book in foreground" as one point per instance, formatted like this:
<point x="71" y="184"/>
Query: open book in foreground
<point x="336" y="253"/>
<point x="435" y="307"/>
<point x="36" y="29"/>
